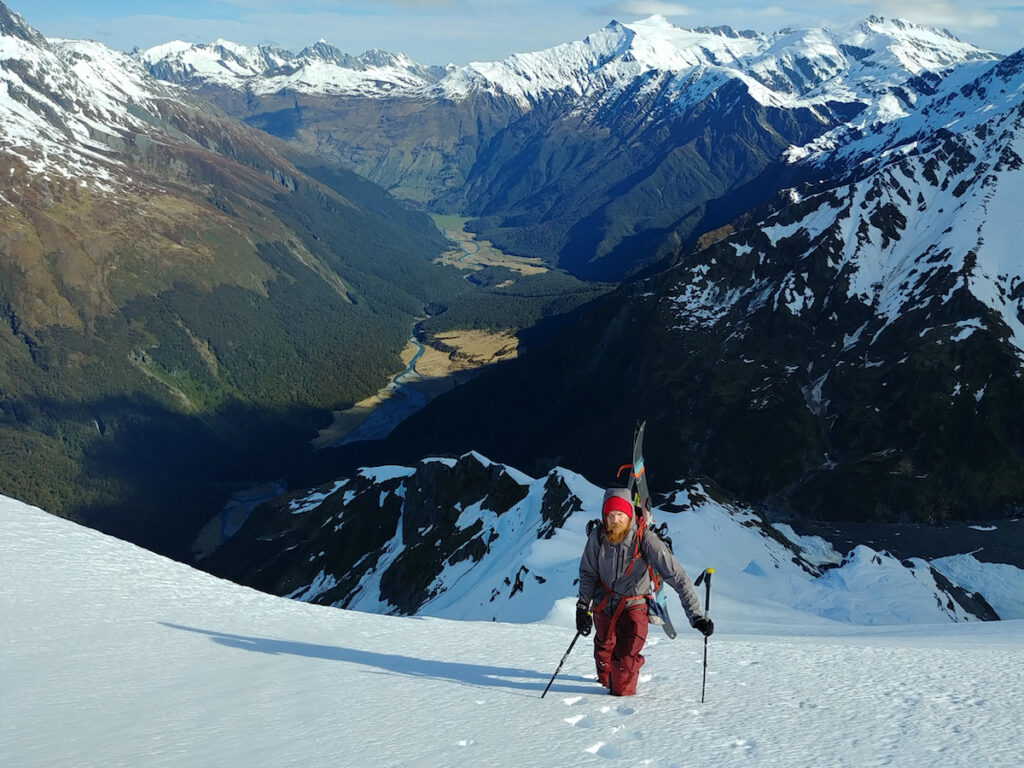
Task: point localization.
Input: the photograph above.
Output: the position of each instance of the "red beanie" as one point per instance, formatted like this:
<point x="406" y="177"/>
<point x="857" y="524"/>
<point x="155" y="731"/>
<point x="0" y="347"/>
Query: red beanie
<point x="617" y="504"/>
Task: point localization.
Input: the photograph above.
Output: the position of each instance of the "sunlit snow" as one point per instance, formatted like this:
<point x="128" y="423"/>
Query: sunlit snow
<point x="111" y="655"/>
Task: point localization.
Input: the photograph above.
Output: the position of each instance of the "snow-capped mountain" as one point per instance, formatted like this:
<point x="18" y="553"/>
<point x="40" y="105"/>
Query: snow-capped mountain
<point x="470" y="539"/>
<point x="599" y="155"/>
<point x="851" y="351"/>
<point x="675" y="68"/>
<point x="901" y="274"/>
<point x="320" y="68"/>
<point x="788" y="68"/>
<point x="918" y="228"/>
<point x="68" y="107"/>
<point x="930" y="213"/>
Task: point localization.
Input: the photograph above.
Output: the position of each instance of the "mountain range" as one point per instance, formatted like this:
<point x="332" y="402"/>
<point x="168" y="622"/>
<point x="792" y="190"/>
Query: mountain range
<point x="207" y="247"/>
<point x="470" y="539"/>
<point x="848" y="349"/>
<point x="599" y="156"/>
<point x="851" y="351"/>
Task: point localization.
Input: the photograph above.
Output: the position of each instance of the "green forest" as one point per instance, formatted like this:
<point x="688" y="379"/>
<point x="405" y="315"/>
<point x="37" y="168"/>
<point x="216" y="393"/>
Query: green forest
<point x="145" y="421"/>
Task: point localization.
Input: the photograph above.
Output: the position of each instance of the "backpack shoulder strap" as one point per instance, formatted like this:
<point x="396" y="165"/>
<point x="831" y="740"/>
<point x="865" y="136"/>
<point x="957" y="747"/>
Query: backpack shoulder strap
<point x="642" y="529"/>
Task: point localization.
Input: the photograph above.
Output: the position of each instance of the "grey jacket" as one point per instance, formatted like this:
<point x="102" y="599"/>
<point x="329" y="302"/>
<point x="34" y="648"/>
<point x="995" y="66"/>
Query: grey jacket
<point x="607" y="562"/>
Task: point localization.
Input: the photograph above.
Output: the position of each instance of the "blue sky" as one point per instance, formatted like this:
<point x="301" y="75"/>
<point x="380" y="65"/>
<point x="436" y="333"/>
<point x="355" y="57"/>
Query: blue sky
<point x="459" y="31"/>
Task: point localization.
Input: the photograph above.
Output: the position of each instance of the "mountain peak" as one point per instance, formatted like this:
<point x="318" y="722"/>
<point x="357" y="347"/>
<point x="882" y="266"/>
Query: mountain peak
<point x="378" y="57"/>
<point x="325" y="51"/>
<point x="903" y="25"/>
<point x="656" y="20"/>
<point x="658" y="23"/>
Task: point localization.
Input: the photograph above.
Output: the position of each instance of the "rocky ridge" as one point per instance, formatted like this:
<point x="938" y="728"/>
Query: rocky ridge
<point x="470" y="539"/>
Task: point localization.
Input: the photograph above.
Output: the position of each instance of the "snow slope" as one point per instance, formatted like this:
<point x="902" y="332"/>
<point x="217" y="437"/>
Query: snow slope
<point x="113" y="656"/>
<point x="66" y="105"/>
<point x="919" y="207"/>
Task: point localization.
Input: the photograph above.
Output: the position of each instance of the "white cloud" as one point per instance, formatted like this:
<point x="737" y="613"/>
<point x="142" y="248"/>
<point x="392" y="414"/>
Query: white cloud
<point x="647" y="8"/>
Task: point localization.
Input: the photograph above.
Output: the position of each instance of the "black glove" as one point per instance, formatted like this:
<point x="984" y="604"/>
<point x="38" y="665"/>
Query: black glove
<point x="583" y="620"/>
<point x="704" y="625"/>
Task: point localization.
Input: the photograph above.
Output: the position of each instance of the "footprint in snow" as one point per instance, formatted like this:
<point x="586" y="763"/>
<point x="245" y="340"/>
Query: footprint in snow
<point x="581" y="721"/>
<point x="747" y="745"/>
<point x="607" y="751"/>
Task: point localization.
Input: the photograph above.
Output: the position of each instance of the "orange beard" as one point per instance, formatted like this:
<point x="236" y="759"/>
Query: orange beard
<point x="617" y="533"/>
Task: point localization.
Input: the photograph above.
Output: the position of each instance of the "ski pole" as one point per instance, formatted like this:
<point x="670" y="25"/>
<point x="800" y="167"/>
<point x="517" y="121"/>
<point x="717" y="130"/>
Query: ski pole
<point x="566" y="656"/>
<point x="705" y="576"/>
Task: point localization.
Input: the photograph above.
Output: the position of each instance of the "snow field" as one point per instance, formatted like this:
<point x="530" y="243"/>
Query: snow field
<point x="113" y="656"/>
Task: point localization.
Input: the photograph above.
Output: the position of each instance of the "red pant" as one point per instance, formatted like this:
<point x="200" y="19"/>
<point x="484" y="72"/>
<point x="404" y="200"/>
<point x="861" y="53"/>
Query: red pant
<point x="617" y="649"/>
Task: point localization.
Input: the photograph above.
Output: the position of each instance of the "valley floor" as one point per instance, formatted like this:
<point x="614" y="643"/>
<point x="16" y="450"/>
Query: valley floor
<point x="476" y="254"/>
<point x="113" y="656"/>
<point x="430" y="372"/>
<point x="441" y="362"/>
